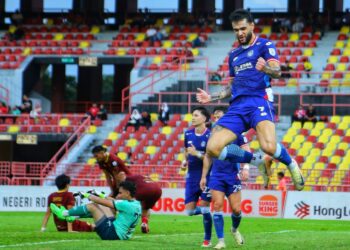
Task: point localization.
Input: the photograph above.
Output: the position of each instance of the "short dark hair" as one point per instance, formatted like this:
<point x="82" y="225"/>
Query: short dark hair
<point x="240" y="14"/>
<point x="281" y="174"/>
<point x="62" y="181"/>
<point x="203" y="111"/>
<point x="129" y="186"/>
<point x="220" y="108"/>
<point x="98" y="149"/>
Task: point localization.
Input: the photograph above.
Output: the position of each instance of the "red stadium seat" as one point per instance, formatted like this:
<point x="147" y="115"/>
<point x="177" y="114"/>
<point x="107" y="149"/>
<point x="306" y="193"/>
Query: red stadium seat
<point x="312" y="44"/>
<point x="305" y="37"/>
<point x="290" y="44"/>
<point x="297" y="52"/>
<point x="301" y="44"/>
<point x="319" y="145"/>
<point x="336" y="52"/>
<point x="329" y="67"/>
<point x="323" y="159"/>
<point x="338" y="75"/>
<point x="339" y="152"/>
<point x="315" y="37"/>
<point x="324" y="83"/>
<point x="339" y="132"/>
<point x="344" y="59"/>
<point x="279" y="44"/>
<point x="312" y="139"/>
<point x="342" y="37"/>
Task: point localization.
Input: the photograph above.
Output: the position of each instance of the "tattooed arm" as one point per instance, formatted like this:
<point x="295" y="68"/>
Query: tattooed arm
<point x="272" y="68"/>
<point x="204" y="97"/>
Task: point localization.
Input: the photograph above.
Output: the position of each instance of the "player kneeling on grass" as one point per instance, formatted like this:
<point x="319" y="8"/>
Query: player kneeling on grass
<point x="64" y="198"/>
<point x="103" y="210"/>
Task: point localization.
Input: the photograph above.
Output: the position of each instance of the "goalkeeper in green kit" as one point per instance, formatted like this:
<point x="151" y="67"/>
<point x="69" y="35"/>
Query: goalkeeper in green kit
<point x="115" y="219"/>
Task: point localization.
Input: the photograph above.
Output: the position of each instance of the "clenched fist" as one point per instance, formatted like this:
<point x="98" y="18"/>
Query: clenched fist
<point x="260" y="65"/>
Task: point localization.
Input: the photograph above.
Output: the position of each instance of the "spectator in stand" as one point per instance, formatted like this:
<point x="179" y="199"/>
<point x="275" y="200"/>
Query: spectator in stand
<point x="146" y="120"/>
<point x="285" y="68"/>
<point x="299" y="115"/>
<point x="134" y="119"/>
<point x="36" y="111"/>
<point x="276" y="25"/>
<point x="151" y="34"/>
<point x="27" y="105"/>
<point x="93" y="111"/>
<point x="310" y="115"/>
<point x="282" y="184"/>
<point x="17" y="18"/>
<point x="102" y="113"/>
<point x="3" y="108"/>
<point x="298" y="26"/>
<point x="163" y="114"/>
<point x="285" y="25"/>
<point x="346" y="18"/>
<point x="15" y="110"/>
<point x="198" y="42"/>
<point x="162" y="34"/>
<point x="215" y="77"/>
<point x="308" y="67"/>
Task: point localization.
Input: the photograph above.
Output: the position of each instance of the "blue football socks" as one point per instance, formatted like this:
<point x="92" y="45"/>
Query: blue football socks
<point x="218" y="219"/>
<point x="235" y="154"/>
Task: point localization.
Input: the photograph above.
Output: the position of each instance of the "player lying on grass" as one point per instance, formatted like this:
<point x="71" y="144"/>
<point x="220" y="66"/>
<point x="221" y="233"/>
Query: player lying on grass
<point x="115" y="219"/>
<point x="225" y="180"/>
<point x="147" y="192"/>
<point x="64" y="198"/>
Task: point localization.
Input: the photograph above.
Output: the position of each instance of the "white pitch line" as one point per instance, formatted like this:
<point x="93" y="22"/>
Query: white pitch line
<point x="165" y="235"/>
<point x="37" y="243"/>
<point x="280" y="232"/>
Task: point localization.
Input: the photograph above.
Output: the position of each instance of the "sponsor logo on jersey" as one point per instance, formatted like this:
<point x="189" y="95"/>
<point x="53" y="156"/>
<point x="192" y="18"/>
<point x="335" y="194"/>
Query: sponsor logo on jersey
<point x="243" y="66"/>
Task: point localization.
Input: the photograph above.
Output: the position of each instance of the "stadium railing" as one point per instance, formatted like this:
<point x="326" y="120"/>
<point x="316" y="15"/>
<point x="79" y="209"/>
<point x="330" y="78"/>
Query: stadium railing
<point x="63" y="151"/>
<point x="42" y="123"/>
<point x="83" y="106"/>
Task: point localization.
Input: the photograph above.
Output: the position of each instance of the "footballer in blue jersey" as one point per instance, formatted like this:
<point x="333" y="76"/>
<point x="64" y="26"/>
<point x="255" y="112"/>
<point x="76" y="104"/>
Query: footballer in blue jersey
<point x="195" y="146"/>
<point x="225" y="180"/>
<point x="251" y="66"/>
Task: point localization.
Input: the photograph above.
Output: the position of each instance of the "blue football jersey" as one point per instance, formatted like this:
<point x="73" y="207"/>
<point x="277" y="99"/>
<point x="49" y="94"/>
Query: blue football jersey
<point x="226" y="168"/>
<point x="248" y="81"/>
<point x="195" y="165"/>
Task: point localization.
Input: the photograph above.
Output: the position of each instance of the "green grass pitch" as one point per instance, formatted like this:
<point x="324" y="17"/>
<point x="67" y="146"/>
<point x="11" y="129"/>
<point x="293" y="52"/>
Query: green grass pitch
<point x="21" y="230"/>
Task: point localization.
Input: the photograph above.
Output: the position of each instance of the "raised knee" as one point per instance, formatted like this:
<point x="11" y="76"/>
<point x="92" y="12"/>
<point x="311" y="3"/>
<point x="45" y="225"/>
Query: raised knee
<point x="269" y="148"/>
<point x="213" y="151"/>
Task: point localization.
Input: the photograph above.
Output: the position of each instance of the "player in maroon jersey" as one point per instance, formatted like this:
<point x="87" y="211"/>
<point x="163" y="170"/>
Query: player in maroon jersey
<point x="115" y="170"/>
<point x="64" y="198"/>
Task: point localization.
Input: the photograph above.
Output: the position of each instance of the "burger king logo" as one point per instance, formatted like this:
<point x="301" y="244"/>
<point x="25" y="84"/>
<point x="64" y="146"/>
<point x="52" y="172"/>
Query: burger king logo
<point x="268" y="205"/>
